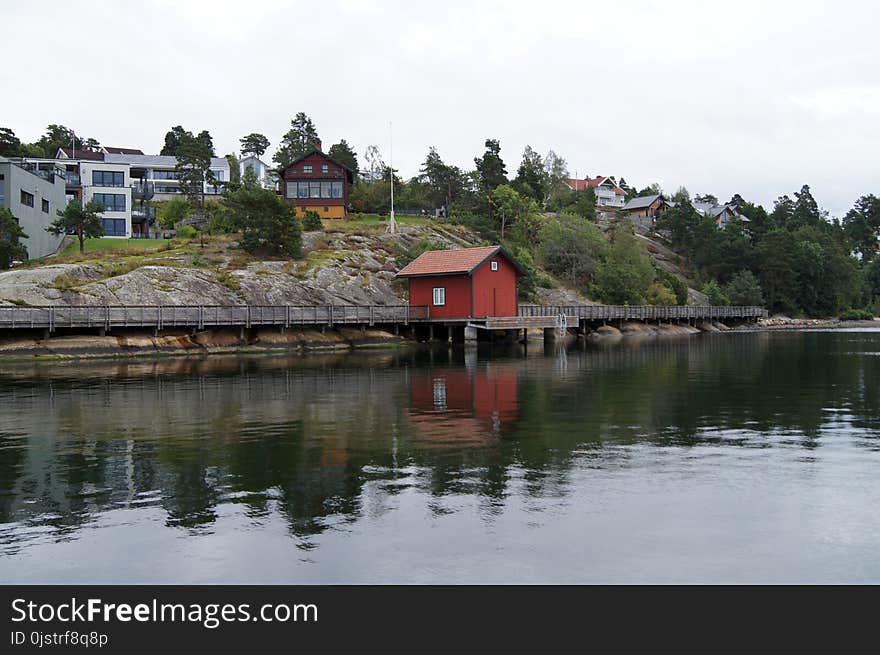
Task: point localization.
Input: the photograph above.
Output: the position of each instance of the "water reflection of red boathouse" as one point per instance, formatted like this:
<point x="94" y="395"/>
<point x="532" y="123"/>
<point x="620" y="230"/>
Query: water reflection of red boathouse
<point x="464" y="406"/>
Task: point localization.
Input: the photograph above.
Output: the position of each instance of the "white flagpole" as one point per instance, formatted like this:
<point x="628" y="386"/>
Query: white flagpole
<point x="392" y="226"/>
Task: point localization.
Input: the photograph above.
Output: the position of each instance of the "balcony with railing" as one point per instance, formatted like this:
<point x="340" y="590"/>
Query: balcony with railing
<point x="143" y="214"/>
<point x="45" y="171"/>
<point x="142" y="190"/>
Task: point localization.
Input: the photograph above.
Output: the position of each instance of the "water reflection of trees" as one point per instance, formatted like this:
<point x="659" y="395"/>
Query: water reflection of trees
<point x="306" y="436"/>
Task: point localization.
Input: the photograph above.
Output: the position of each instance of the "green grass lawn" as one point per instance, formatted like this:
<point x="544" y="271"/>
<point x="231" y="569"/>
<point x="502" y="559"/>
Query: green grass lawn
<point x="105" y="243"/>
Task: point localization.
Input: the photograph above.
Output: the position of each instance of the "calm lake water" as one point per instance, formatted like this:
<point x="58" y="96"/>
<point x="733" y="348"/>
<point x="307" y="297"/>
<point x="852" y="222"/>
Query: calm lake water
<point x="721" y="458"/>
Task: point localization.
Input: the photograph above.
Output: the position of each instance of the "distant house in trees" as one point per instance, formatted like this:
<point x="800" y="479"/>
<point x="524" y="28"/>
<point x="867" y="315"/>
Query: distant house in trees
<point x="267" y="177"/>
<point x="316" y="182"/>
<point x="609" y="195"/>
<point x="721" y="214"/>
<point x="645" y="210"/>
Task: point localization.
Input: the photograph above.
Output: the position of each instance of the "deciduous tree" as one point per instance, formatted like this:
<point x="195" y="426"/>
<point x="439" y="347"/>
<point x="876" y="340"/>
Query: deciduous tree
<point x="862" y="226"/>
<point x="531" y="178"/>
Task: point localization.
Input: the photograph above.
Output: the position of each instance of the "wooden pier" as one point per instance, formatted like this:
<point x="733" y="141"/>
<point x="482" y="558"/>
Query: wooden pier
<point x="558" y="318"/>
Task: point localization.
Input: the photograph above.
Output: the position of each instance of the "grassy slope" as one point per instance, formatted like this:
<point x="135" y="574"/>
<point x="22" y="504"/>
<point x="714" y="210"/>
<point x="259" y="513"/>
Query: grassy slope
<point x="106" y="243"/>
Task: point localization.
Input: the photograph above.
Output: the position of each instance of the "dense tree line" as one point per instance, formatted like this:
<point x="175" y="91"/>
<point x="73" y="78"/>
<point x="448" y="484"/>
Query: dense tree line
<point x="55" y="137"/>
<point x="793" y="259"/>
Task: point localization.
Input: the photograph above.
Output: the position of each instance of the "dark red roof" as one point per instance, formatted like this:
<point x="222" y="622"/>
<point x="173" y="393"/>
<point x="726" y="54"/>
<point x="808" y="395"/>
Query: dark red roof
<point x="453" y="262"/>
<point x="123" y="151"/>
<point x="315" y="151"/>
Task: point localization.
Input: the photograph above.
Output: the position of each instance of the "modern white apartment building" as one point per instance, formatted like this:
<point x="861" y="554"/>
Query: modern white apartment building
<point x="128" y="183"/>
<point x="110" y="185"/>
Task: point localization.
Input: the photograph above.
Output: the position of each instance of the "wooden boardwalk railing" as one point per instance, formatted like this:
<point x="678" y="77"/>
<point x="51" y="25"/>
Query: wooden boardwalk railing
<point x="204" y="316"/>
<point x="201" y="316"/>
<point x="644" y="312"/>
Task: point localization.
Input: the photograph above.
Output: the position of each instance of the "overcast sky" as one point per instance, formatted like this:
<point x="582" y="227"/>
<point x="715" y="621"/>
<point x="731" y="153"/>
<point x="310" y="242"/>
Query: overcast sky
<point x="749" y="97"/>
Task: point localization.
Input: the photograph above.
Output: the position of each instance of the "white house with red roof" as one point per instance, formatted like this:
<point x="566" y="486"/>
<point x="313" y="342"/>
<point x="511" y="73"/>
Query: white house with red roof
<point x="608" y="194"/>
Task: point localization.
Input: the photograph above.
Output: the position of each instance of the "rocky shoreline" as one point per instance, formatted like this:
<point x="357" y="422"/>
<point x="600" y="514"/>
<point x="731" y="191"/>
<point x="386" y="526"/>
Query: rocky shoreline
<point x="786" y="323"/>
<point x="131" y="344"/>
<point x="145" y="344"/>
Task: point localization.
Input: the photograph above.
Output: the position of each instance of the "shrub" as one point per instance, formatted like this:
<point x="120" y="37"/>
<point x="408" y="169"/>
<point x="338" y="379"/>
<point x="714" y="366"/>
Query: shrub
<point x="676" y="284"/>
<point x="479" y="223"/>
<point x="856" y="315"/>
<point x="228" y="280"/>
<point x="267" y="223"/>
<point x="171" y="212"/>
<point x="311" y="221"/>
<point x="744" y="289"/>
<point x="626" y="274"/>
<point x="570" y="248"/>
<point x="716" y="293"/>
<point x="660" y="294"/>
<point x="526" y="285"/>
<point x="186" y="232"/>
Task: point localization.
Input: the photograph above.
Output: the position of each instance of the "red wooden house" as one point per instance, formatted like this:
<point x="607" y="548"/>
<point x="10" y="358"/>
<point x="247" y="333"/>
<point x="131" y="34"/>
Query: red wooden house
<point x="465" y="283"/>
<point x="317" y="182"/>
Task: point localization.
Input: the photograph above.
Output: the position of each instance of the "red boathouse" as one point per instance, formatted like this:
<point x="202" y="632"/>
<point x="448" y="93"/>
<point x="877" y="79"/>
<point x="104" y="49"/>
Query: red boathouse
<point x="465" y="283"/>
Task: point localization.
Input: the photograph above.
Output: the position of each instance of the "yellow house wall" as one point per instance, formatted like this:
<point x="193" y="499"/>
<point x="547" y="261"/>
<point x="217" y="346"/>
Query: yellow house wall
<point x="333" y="211"/>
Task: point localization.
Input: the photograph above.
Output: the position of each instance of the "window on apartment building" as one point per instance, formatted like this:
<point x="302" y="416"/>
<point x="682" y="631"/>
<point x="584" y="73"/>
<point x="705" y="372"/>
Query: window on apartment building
<point x="164" y="175"/>
<point x="307" y="168"/>
<point x="218" y="175"/>
<point x="439" y="296"/>
<point x="45" y="206"/>
<point x="108" y="178"/>
<point x="325" y="168"/>
<point x="27" y="199"/>
<point x="167" y="189"/>
<point x="113" y="202"/>
<point x="114" y="227"/>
